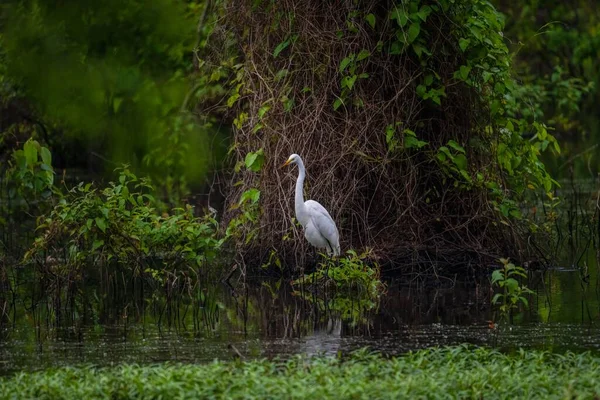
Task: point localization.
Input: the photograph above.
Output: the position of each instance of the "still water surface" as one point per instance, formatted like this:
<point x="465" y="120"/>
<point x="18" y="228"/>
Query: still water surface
<point x="260" y="320"/>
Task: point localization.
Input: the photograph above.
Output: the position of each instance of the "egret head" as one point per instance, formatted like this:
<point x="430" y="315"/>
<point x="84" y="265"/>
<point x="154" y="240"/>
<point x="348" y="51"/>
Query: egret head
<point x="293" y="159"/>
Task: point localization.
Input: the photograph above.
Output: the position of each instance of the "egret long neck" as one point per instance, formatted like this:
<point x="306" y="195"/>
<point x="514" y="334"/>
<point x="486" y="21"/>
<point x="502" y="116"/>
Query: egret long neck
<point x="301" y="213"/>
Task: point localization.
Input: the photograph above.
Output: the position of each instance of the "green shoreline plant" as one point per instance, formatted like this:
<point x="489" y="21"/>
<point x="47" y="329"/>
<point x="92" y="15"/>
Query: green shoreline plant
<point x="120" y="224"/>
<point x="451" y="372"/>
<point x="349" y="286"/>
<point x="511" y="292"/>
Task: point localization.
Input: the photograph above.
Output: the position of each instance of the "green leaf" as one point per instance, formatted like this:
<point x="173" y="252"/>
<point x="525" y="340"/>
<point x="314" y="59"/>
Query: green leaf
<point x="348" y="81"/>
<point x="97" y="243"/>
<point x="424" y="13"/>
<point x="345" y="62"/>
<point x="496" y="298"/>
<point x="232" y="99"/>
<point x="282" y="73"/>
<point x="411" y="142"/>
<point x="240" y="120"/>
<point x="280" y="47"/>
<point x="464" y="72"/>
<point x="46" y="156"/>
<point x="250" y="158"/>
<point x="371" y="20"/>
<point x="363" y="54"/>
<point x="413" y="32"/>
<point x="499" y="88"/>
<point x="288" y="105"/>
<point x="254" y="160"/>
<point x="464" y="43"/>
<point x="389" y="137"/>
<point x="397" y="47"/>
<point x="512" y="285"/>
<point x="456" y="146"/>
<point x="30" y="151"/>
<point x="399" y="14"/>
<point x="263" y="110"/>
<point x="101" y="223"/>
<point x="497" y="275"/>
<point x="252" y="195"/>
<point x="461" y="162"/>
<point x="257" y="127"/>
<point x="337" y="103"/>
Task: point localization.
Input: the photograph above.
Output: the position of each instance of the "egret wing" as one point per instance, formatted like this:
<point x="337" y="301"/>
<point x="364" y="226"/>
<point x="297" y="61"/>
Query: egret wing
<point x="323" y="223"/>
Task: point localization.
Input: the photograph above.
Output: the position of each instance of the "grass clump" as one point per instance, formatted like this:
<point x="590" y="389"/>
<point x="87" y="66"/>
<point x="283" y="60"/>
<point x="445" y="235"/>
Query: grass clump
<point x="455" y="372"/>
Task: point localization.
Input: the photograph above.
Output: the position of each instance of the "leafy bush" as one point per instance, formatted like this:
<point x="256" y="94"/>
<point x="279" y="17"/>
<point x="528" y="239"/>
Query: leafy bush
<point x="348" y="275"/>
<point x="119" y="223"/>
<point x="30" y="175"/>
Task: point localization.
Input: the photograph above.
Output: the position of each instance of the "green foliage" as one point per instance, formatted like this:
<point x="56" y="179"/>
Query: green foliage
<point x="515" y="142"/>
<point x="556" y="47"/>
<point x="437" y="373"/>
<point x="244" y="224"/>
<point x="30" y="175"/>
<point x="118" y="223"/>
<point x="283" y="45"/>
<point x="410" y="140"/>
<point x="350" y="274"/>
<point x="452" y="158"/>
<point x="255" y="160"/>
<point x="112" y="75"/>
<point x="350" y="68"/>
<point x="512" y="292"/>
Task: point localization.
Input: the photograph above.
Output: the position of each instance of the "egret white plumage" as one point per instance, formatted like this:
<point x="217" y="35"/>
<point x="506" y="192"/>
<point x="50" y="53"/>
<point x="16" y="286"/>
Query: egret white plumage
<point x="319" y="227"/>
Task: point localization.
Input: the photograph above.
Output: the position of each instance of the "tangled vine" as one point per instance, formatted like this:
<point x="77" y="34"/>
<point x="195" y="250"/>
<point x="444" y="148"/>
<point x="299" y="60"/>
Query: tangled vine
<point x="397" y="109"/>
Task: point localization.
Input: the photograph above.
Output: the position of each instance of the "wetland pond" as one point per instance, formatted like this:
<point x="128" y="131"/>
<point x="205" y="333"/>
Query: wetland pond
<point x="112" y="319"/>
<point x="105" y="325"/>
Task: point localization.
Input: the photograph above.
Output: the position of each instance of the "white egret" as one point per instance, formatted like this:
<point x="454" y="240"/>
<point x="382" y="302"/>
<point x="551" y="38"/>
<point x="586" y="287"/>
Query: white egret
<point x="319" y="227"/>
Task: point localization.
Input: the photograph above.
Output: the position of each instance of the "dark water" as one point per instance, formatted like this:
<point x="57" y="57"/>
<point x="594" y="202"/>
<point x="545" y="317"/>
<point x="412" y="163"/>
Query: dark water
<point x="268" y="320"/>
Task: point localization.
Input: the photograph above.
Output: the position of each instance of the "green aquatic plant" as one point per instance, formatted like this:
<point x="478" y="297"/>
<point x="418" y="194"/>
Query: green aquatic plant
<point x="347" y="287"/>
<point x="511" y="291"/>
<point x="438" y="373"/>
<point x="349" y="274"/>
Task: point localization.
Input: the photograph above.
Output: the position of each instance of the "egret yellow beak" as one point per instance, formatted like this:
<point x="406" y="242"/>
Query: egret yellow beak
<point x="285" y="164"/>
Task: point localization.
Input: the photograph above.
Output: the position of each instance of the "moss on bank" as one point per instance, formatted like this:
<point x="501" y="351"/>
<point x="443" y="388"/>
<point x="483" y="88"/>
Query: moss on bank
<point x="455" y="372"/>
